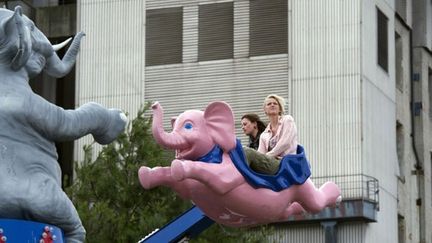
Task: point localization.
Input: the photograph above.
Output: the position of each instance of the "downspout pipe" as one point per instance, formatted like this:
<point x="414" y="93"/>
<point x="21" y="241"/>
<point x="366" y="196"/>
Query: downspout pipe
<point x="418" y="169"/>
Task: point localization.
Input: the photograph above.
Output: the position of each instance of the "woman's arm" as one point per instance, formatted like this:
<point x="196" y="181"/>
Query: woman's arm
<point x="287" y="143"/>
<point x="263" y="142"/>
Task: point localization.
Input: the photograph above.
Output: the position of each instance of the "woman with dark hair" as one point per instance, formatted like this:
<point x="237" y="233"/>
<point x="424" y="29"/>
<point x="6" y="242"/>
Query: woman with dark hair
<point x="253" y="127"/>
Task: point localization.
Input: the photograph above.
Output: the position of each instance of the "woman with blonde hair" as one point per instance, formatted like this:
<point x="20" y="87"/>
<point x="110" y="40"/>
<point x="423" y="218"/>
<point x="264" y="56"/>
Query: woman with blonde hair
<point x="278" y="139"/>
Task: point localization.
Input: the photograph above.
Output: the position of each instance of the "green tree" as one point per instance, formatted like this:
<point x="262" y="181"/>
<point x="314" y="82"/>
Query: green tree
<point x="111" y="202"/>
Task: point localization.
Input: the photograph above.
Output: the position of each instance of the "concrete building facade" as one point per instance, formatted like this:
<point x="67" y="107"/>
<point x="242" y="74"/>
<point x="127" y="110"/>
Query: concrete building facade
<point x="357" y="76"/>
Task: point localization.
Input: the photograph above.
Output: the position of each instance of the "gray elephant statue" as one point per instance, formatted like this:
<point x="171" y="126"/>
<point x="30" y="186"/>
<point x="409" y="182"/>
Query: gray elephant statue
<point x="30" y="176"/>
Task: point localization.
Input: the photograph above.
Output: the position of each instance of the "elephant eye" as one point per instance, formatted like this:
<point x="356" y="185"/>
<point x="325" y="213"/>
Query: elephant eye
<point x="188" y="126"/>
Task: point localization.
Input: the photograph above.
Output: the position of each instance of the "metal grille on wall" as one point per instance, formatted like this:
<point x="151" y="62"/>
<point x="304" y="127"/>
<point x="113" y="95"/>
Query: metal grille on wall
<point x="164" y="36"/>
<point x="215" y="31"/>
<point x="268" y="27"/>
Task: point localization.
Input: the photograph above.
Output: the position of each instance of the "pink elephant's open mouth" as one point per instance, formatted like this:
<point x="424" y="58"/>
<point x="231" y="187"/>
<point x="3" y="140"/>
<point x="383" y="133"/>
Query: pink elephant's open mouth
<point x="183" y="154"/>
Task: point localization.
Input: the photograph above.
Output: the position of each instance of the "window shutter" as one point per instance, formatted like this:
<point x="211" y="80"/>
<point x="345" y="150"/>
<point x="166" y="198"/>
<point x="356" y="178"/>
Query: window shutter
<point x="215" y="34"/>
<point x="268" y="27"/>
<point x="164" y="33"/>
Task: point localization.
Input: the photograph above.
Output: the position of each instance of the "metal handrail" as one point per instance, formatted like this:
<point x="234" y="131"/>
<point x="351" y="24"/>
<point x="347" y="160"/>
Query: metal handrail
<point x="354" y="186"/>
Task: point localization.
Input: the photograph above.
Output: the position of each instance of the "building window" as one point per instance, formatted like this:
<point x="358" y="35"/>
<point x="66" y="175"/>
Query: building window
<point x="430" y="92"/>
<point x="400" y="149"/>
<point x="401" y="229"/>
<point x="382" y="21"/>
<point x="398" y="61"/>
<point x="215" y="31"/>
<point x="164" y="33"/>
<point x="268" y="28"/>
<point x="401" y="8"/>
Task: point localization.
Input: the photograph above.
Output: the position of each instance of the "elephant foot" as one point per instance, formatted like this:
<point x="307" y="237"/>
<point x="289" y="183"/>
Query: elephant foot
<point x="144" y="175"/>
<point x="178" y="170"/>
<point x="76" y="236"/>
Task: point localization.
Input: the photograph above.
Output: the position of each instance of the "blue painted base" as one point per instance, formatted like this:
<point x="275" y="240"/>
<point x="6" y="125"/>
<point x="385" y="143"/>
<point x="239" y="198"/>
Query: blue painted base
<point x="29" y="231"/>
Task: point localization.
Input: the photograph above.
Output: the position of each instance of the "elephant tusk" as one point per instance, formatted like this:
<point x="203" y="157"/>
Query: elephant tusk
<point x="61" y="45"/>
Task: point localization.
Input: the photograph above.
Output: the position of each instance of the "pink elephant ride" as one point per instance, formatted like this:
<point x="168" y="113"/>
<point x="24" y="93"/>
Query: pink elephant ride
<point x="211" y="171"/>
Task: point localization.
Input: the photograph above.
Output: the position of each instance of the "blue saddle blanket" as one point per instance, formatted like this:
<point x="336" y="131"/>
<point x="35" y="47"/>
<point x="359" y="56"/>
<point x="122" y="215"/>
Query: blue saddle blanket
<point x="294" y="168"/>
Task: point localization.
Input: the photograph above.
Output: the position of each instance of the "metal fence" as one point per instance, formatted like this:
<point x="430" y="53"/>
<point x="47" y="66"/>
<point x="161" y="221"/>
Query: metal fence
<point x="354" y="187"/>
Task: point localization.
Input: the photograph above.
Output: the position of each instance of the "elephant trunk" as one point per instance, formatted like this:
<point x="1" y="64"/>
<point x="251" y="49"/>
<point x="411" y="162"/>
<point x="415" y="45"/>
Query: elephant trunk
<point x="167" y="140"/>
<point x="59" y="68"/>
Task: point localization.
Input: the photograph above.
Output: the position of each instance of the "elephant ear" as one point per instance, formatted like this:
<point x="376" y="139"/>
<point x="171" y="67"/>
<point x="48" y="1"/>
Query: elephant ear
<point x="15" y="31"/>
<point x="220" y="123"/>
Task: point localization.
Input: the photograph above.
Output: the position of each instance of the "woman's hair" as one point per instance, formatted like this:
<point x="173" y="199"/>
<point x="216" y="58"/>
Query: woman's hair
<point x="255" y="118"/>
<point x="280" y="101"/>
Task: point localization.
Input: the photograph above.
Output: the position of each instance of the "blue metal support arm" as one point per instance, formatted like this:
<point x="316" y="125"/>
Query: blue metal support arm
<point x="190" y="224"/>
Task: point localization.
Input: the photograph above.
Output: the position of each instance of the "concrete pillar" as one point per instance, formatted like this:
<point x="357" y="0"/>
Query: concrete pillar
<point x="330" y="231"/>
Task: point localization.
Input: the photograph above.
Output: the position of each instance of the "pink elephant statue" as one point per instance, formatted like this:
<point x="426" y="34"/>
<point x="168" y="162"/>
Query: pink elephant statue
<point x="218" y="188"/>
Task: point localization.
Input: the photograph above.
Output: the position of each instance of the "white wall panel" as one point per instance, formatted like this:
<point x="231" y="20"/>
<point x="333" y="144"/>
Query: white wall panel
<point x="110" y="68"/>
<point x="379" y="129"/>
<point x="351" y="232"/>
<point x="190" y="33"/>
<point x="346" y="232"/>
<point x="379" y="119"/>
<point x="241" y="29"/>
<point x="152" y="4"/>
<point x="326" y="83"/>
<point x="313" y="233"/>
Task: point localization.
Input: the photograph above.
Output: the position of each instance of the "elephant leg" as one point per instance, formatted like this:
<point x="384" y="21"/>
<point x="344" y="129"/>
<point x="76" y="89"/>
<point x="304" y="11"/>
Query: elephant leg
<point x="313" y="199"/>
<point x="74" y="230"/>
<point x="294" y="209"/>
<point x="51" y="205"/>
<point x="70" y="222"/>
<point x="161" y="176"/>
<point x="333" y="193"/>
<point x="219" y="177"/>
